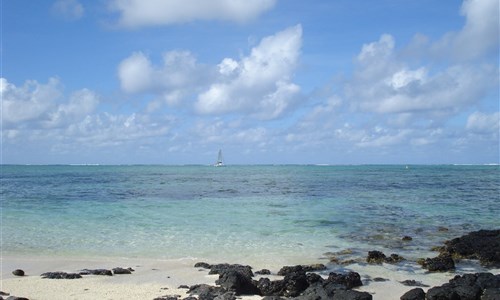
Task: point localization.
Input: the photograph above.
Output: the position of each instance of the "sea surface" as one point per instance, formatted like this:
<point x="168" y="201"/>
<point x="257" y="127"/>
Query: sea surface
<point x="242" y="214"/>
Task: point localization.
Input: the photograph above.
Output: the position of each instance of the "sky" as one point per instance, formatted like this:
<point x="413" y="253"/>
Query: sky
<point x="266" y="81"/>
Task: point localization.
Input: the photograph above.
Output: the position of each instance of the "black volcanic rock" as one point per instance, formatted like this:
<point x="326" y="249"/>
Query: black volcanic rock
<point x="119" y="270"/>
<point x="205" y="291"/>
<point x="238" y="282"/>
<point x="349" y="280"/>
<point x="222" y="268"/>
<point x="483" y="245"/>
<point x="491" y="294"/>
<point x="376" y="257"/>
<point x="263" y="272"/>
<point x="442" y="263"/>
<point x="18" y="272"/>
<point x="467" y="287"/>
<point x="290" y="269"/>
<point x="411" y="282"/>
<point x="203" y="265"/>
<point x="295" y="283"/>
<point x="269" y="288"/>
<point x="103" y="272"/>
<point x="60" y="275"/>
<point x="415" y="294"/>
<point x="351" y="295"/>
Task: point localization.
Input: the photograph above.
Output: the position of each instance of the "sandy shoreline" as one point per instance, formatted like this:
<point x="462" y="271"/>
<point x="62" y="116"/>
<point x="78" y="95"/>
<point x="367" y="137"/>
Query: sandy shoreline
<point x="154" y="278"/>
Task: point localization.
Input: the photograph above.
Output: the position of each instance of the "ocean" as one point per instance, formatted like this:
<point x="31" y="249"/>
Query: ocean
<point x="242" y="214"/>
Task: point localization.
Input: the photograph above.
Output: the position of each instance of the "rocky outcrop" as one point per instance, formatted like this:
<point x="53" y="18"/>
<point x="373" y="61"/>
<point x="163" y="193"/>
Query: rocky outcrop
<point x="223" y="268"/>
<point x="483" y="245"/>
<point x="442" y="263"/>
<point x="238" y="282"/>
<point x="299" y="282"/>
<point x="479" y="286"/>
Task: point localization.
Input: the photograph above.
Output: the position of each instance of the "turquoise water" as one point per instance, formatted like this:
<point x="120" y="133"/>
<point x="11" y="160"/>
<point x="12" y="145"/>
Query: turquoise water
<point x="242" y="213"/>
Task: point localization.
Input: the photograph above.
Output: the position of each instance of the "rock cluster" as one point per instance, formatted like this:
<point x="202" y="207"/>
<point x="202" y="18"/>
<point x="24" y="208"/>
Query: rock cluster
<point x="104" y="272"/>
<point x="483" y="245"/>
<point x="479" y="286"/>
<point x="299" y="282"/>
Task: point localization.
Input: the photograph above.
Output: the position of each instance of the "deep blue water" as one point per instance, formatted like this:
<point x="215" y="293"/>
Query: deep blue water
<point x="234" y="212"/>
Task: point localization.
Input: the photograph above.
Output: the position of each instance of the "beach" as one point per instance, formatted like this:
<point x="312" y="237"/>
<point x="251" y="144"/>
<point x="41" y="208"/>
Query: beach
<point x="159" y="278"/>
<point x="162" y="220"/>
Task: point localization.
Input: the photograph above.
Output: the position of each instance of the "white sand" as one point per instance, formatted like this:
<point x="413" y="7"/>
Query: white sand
<point x="155" y="278"/>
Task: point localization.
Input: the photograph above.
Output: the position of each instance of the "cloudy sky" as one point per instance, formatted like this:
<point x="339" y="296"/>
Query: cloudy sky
<point x="266" y="81"/>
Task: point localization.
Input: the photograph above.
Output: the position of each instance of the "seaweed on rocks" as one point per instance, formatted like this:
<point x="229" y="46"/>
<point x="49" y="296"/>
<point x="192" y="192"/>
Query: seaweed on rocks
<point x="378" y="257"/>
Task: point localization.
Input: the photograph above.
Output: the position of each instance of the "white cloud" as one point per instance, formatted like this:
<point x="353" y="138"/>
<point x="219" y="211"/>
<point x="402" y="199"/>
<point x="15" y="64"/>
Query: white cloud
<point x="384" y="83"/>
<point x="81" y="104"/>
<point x="178" y="76"/>
<point x="477" y="38"/>
<point x="68" y="9"/>
<point x="480" y="34"/>
<point x="105" y="130"/>
<point x="484" y="123"/>
<point x="136" y="73"/>
<point x="259" y="83"/>
<point x="138" y="13"/>
<point x="41" y="116"/>
<point x="30" y="102"/>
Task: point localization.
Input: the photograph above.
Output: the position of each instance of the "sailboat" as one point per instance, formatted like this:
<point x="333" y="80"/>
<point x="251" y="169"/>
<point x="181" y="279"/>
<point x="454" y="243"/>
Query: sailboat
<point x="220" y="161"/>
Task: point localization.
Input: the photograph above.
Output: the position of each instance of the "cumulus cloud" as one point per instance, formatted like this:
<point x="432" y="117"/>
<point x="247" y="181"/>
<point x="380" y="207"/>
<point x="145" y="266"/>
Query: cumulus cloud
<point x="138" y="13"/>
<point x="104" y="130"/>
<point x="81" y="103"/>
<point x="42" y="117"/>
<point x="260" y="83"/>
<point x="30" y="102"/>
<point x="177" y="78"/>
<point x="484" y="123"/>
<point x="37" y="105"/>
<point x="478" y="37"/>
<point x="68" y="9"/>
<point x="384" y="83"/>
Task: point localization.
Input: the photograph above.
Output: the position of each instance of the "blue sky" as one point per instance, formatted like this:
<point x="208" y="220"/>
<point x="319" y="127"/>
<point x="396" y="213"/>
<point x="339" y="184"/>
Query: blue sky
<point x="266" y="81"/>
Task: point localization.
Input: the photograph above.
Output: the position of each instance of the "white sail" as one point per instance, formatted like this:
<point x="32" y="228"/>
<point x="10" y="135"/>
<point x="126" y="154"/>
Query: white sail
<point x="220" y="161"/>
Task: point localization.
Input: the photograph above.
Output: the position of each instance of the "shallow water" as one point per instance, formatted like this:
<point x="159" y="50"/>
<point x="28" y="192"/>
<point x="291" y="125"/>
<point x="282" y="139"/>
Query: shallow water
<point x="273" y="214"/>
